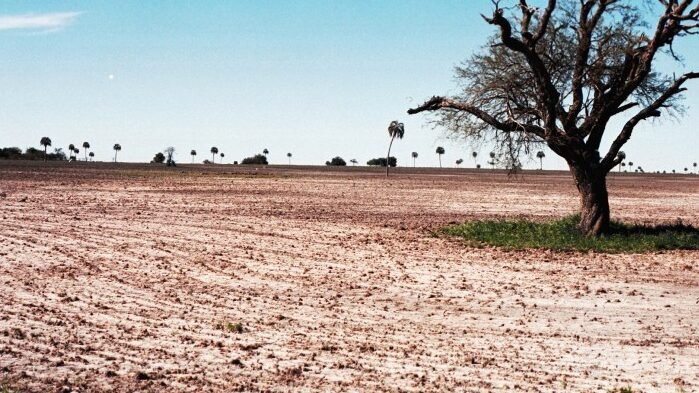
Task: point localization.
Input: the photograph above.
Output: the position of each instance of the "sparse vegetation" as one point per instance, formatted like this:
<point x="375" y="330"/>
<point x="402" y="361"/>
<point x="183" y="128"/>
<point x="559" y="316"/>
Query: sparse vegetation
<point x="257" y="159"/>
<point x="563" y="235"/>
<point x="381" y="161"/>
<point x="336" y="161"/>
<point x="232" y="327"/>
<point x="623" y="389"/>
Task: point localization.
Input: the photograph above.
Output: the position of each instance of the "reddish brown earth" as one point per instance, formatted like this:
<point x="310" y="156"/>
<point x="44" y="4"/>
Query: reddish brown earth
<point x="130" y="277"/>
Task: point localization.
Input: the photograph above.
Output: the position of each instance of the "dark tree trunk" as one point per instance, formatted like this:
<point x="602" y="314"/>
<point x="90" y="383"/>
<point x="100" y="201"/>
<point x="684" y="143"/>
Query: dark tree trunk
<point x="388" y="155"/>
<point x="594" y="200"/>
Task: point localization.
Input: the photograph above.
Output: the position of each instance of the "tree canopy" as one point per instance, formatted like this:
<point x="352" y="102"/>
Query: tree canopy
<point x="558" y="75"/>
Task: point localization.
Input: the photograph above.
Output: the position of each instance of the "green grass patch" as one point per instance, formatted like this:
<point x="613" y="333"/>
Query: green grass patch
<point x="563" y="235"/>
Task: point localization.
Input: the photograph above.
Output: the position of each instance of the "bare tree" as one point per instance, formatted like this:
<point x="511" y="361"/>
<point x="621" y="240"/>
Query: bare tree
<point x="559" y="74"/>
<point x="169" y="156"/>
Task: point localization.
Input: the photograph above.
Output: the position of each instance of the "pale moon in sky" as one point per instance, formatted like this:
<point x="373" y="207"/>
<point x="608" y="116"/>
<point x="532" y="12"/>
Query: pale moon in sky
<point x="111" y="76"/>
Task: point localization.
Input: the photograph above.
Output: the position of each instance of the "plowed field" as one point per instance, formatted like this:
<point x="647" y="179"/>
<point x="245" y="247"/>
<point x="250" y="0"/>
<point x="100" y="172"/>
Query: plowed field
<point x="134" y="277"/>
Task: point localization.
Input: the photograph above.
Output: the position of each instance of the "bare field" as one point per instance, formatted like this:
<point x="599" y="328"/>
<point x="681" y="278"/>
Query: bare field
<point x="138" y="278"/>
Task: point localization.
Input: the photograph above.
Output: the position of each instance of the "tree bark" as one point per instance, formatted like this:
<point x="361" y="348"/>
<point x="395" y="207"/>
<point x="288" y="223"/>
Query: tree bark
<point x="594" y="200"/>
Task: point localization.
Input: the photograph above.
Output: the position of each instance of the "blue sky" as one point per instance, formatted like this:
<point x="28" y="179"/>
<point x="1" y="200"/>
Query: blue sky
<point x="316" y="78"/>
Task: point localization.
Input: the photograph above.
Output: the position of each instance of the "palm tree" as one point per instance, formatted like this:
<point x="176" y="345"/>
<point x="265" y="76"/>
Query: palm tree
<point x="492" y="160"/>
<point x="45" y="142"/>
<point x="265" y="152"/>
<point x="354" y="161"/>
<point x="214" y="151"/>
<point x="288" y="155"/>
<point x="76" y="150"/>
<point x="86" y="146"/>
<point x="92" y="155"/>
<point x="475" y="160"/>
<point x="630" y="165"/>
<point x="71" y="149"/>
<point x="540" y="155"/>
<point x="117" y="149"/>
<point x="395" y="130"/>
<point x="622" y="157"/>
<point x="459" y="161"/>
<point x="414" y="157"/>
<point x="193" y="153"/>
<point x="440" y="150"/>
<point x="222" y="155"/>
<point x="695" y="166"/>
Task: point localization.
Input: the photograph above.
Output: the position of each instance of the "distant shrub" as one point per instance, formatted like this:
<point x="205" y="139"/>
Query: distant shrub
<point x="11" y="153"/>
<point x="336" y="161"/>
<point x="257" y="159"/>
<point x="158" y="158"/>
<point x="381" y="161"/>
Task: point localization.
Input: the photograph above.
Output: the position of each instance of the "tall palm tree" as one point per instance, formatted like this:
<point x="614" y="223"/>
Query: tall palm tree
<point x="222" y="155"/>
<point x="395" y="130"/>
<point x="71" y="149"/>
<point x="695" y="166"/>
<point x="414" y="158"/>
<point x="354" y="161"/>
<point x="622" y="157"/>
<point x="265" y="152"/>
<point x="540" y="155"/>
<point x="492" y="160"/>
<point x="92" y="155"/>
<point x="475" y="158"/>
<point x="193" y="153"/>
<point x="77" y="151"/>
<point x="117" y="149"/>
<point x="289" y="156"/>
<point x="214" y="151"/>
<point x="440" y="150"/>
<point x="45" y="142"/>
<point x="630" y="165"/>
<point x="86" y="146"/>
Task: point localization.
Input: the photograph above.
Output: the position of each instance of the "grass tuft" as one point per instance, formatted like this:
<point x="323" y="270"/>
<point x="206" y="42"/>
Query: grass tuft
<point x="563" y="235"/>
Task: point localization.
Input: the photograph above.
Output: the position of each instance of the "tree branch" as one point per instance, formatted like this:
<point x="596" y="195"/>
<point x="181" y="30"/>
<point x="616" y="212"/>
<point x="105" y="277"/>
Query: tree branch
<point x="652" y="110"/>
<point x="436" y="103"/>
<point x="546" y="88"/>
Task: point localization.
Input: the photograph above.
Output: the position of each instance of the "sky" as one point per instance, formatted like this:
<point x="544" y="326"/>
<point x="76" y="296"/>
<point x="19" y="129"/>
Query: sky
<point x="317" y="78"/>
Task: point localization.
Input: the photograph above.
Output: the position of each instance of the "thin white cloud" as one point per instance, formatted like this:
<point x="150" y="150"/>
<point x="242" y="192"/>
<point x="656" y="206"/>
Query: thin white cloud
<point x="38" y="22"/>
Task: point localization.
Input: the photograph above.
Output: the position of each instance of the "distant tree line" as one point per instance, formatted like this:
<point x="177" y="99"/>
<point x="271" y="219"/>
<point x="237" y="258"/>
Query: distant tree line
<point x="15" y="153"/>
